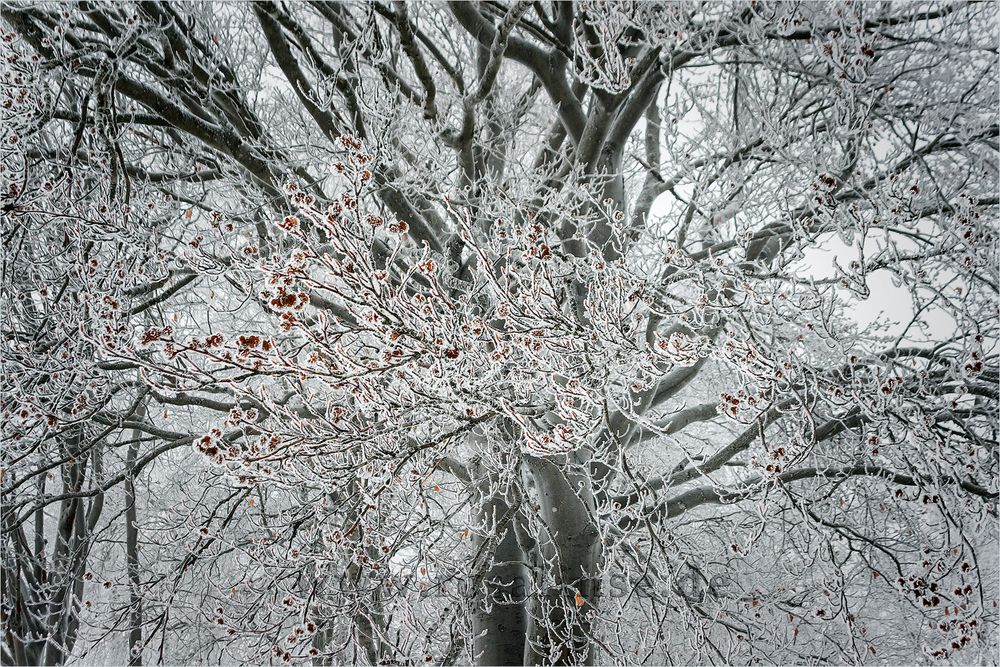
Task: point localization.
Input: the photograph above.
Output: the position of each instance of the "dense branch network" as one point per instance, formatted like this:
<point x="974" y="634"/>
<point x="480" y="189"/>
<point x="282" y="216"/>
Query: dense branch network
<point x="507" y="333"/>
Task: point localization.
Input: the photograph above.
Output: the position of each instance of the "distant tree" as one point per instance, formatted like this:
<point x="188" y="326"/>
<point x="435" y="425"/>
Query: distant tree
<point x="531" y="333"/>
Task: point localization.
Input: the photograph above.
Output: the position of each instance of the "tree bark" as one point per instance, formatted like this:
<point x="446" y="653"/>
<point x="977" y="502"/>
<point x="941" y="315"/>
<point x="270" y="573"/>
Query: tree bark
<point x="499" y="619"/>
<point x="132" y="549"/>
<point x="559" y="625"/>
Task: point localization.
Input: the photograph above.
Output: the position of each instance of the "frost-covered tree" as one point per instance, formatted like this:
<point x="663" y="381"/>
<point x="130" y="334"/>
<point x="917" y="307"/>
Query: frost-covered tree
<point x="500" y="333"/>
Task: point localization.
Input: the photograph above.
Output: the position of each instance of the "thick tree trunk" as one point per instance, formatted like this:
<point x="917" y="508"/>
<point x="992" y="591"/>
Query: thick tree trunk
<point x="499" y="617"/>
<point x="71" y="525"/>
<point x="368" y="622"/>
<point x="499" y="580"/>
<point x="560" y="625"/>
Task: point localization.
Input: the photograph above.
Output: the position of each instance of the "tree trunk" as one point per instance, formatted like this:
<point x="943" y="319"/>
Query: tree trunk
<point x="499" y="618"/>
<point x="132" y="549"/>
<point x="559" y="625"/>
<point x="368" y="622"/>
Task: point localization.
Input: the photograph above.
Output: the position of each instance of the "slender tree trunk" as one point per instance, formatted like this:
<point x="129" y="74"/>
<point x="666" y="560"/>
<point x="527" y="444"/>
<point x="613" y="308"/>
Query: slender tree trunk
<point x="323" y="639"/>
<point x="132" y="550"/>
<point x="87" y="523"/>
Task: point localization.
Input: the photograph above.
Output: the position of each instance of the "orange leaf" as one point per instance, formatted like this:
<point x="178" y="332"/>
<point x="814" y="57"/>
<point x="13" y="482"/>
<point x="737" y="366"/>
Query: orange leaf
<point x="437" y="488"/>
<point x="250" y="501"/>
<point x="579" y="600"/>
<point x="188" y="213"/>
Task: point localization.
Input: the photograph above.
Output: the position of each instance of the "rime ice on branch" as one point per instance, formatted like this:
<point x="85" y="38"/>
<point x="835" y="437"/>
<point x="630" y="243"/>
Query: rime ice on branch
<point x="499" y="332"/>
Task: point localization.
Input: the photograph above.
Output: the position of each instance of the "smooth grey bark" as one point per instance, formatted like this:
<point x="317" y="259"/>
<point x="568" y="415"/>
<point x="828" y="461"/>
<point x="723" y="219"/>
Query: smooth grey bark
<point x="559" y="626"/>
<point x="368" y="625"/>
<point x="499" y="617"/>
<point x="499" y="579"/>
<point x="61" y="573"/>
